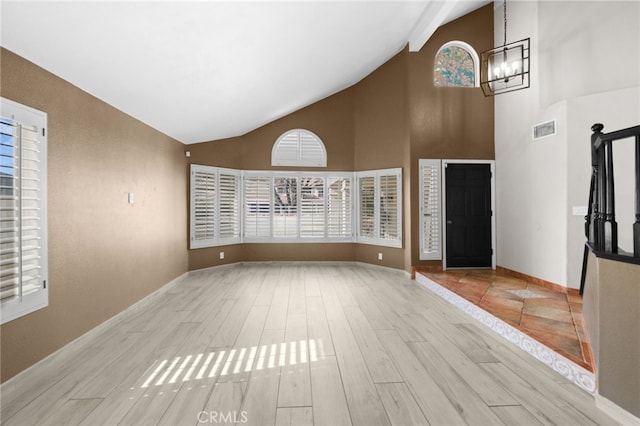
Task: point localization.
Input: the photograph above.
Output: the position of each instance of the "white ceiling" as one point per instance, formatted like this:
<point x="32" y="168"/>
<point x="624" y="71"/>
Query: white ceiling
<point x="206" y="70"/>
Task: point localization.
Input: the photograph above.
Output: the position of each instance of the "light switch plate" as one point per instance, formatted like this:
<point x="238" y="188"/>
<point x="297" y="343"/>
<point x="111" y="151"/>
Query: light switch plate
<point x="580" y="210"/>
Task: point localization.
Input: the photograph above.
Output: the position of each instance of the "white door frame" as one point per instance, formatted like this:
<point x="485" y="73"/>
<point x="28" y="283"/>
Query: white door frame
<point x="492" y="165"/>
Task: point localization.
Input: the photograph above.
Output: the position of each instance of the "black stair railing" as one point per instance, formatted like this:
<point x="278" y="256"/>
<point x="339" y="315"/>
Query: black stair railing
<point x="601" y="228"/>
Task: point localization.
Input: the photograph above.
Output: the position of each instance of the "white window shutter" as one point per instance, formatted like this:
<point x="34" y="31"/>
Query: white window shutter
<point x="229" y="206"/>
<point x="285" y="207"/>
<point x="312" y="207"/>
<point x="367" y="206"/>
<point x="23" y="230"/>
<point x="339" y="207"/>
<point x="287" y="149"/>
<point x="257" y="207"/>
<point x="388" y="207"/>
<point x="380" y="207"/>
<point x="430" y="210"/>
<point x="299" y="147"/>
<point x="203" y="206"/>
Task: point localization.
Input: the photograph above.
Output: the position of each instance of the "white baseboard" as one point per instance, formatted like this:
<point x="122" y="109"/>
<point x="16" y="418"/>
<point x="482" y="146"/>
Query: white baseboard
<point x="385" y="268"/>
<point x="613" y="410"/>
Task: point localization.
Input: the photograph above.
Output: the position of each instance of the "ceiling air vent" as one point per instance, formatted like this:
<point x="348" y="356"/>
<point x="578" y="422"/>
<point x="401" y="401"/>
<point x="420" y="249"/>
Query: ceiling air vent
<point x="542" y="130"/>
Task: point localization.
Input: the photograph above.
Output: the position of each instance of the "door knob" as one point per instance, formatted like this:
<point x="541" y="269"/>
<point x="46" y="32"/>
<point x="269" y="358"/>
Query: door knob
<point x="449" y="222"/>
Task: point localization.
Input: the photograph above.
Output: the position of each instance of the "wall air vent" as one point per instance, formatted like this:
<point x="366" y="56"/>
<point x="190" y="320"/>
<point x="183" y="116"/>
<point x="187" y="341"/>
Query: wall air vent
<point x="542" y="130"/>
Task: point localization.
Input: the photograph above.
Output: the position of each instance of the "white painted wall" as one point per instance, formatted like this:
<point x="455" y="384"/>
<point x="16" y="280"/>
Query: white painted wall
<point x="583" y="54"/>
<point x="621" y="110"/>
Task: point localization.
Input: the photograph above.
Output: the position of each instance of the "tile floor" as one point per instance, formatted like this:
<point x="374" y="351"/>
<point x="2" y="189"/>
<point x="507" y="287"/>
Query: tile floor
<point x="553" y="318"/>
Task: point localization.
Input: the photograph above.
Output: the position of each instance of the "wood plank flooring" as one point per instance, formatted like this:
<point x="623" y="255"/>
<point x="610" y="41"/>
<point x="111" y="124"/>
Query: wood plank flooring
<point x="294" y="344"/>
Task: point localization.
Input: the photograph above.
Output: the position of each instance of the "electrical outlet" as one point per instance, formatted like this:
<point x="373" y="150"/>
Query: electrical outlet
<point x="379" y="256"/>
<point x="221" y="255"/>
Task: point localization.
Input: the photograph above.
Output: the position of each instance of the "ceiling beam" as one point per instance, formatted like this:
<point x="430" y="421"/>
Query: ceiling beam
<point x="435" y="14"/>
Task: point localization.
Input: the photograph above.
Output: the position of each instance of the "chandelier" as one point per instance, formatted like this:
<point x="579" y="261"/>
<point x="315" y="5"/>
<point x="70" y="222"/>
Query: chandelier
<point x="505" y="68"/>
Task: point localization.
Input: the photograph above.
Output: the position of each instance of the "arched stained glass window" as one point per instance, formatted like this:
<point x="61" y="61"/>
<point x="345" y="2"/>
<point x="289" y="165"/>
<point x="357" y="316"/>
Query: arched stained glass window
<point x="456" y="65"/>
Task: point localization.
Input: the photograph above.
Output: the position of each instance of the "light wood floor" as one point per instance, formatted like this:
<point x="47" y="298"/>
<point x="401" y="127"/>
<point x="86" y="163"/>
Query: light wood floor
<point x="294" y="344"/>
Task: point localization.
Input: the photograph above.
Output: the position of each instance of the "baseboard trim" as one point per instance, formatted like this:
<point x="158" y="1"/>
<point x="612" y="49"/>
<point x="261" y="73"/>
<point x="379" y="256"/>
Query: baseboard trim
<point x="404" y="273"/>
<point x="98" y="328"/>
<point x="613" y="410"/>
<point x="308" y="262"/>
<point x="539" y="281"/>
<point x="425" y="268"/>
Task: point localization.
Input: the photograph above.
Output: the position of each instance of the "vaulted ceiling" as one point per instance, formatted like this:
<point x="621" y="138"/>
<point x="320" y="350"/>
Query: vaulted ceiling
<point x="207" y="70"/>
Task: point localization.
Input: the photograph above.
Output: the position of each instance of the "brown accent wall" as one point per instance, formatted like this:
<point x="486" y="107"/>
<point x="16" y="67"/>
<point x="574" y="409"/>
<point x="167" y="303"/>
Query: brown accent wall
<point x="382" y="141"/>
<point x="391" y="118"/>
<point x="104" y="254"/>
<point x="339" y="252"/>
<point x="332" y="120"/>
<point x="448" y="122"/>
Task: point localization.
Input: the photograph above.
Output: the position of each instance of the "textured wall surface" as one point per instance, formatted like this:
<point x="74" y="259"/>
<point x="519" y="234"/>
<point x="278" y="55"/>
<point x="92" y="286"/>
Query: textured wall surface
<point x="104" y="254"/>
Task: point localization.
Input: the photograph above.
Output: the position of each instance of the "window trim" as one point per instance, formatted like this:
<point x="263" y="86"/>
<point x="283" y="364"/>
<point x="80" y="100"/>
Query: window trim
<point x="17" y="307"/>
<point x="272" y="174"/>
<point x="352" y="235"/>
<point x="216" y="240"/>
<point x="301" y="160"/>
<point x="377" y="239"/>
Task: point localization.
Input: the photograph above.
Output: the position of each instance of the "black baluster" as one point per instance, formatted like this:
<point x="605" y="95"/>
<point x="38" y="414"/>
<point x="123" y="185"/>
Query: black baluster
<point x="590" y="218"/>
<point x="636" y="225"/>
<point x="597" y="161"/>
<point x="610" y="225"/>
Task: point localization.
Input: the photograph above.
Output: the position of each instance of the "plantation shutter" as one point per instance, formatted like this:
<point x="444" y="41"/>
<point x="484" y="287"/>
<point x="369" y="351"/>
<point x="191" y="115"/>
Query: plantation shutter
<point x="229" y="202"/>
<point x="203" y="206"/>
<point x="257" y="207"/>
<point x="380" y="207"/>
<point x="312" y="150"/>
<point x="430" y="215"/>
<point x="299" y="147"/>
<point x="388" y="207"/>
<point x="285" y="206"/>
<point x="287" y="149"/>
<point x="23" y="246"/>
<point x="339" y="210"/>
<point x="312" y="207"/>
<point x="367" y="207"/>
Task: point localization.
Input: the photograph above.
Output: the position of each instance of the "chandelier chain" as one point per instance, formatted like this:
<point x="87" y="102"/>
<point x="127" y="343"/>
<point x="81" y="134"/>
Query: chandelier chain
<point x="505" y="22"/>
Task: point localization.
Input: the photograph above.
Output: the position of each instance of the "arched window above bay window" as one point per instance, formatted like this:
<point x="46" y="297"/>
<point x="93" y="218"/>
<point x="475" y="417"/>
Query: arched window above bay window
<point x="299" y="147"/>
